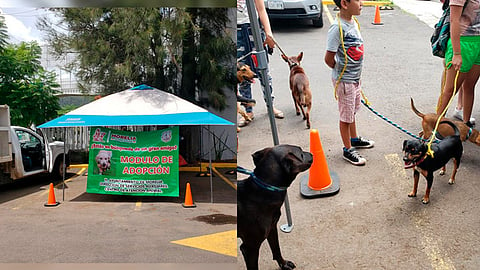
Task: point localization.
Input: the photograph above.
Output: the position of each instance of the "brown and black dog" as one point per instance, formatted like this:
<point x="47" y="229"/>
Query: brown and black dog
<point x="260" y="197"/>
<point x="416" y="157"/>
<point x="429" y="120"/>
<point x="300" y="86"/>
<point x="244" y="73"/>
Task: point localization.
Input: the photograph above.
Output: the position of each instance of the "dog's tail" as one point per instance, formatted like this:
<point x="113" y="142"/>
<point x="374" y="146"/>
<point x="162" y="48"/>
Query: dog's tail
<point x="417" y="112"/>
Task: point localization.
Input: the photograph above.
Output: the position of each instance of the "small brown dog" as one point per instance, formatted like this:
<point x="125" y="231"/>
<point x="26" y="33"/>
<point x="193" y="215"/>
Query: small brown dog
<point x="300" y="86"/>
<point x="244" y="73"/>
<point x="429" y="120"/>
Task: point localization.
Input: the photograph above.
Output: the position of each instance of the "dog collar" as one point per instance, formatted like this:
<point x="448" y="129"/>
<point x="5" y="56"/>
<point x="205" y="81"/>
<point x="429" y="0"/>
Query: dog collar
<point x="416" y="162"/>
<point x="259" y="182"/>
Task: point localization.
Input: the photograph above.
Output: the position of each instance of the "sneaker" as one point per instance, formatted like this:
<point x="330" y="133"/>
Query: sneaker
<point x="353" y="157"/>
<point x="459" y="115"/>
<point x="360" y="142"/>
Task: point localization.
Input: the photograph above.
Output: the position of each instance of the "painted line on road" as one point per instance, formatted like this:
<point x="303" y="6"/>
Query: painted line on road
<point x="138" y="205"/>
<point x="327" y="12"/>
<point x="365" y="3"/>
<point x="224" y="243"/>
<point x="439" y="258"/>
<point x="225" y="179"/>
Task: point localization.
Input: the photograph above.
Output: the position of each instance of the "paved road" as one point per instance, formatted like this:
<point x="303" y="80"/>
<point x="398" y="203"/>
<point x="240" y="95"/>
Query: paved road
<point x="370" y="223"/>
<point x="105" y="229"/>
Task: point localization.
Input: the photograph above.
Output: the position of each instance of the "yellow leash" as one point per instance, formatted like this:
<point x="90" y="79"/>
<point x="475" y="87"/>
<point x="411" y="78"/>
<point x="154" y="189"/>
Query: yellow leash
<point x="344" y="52"/>
<point x="432" y="137"/>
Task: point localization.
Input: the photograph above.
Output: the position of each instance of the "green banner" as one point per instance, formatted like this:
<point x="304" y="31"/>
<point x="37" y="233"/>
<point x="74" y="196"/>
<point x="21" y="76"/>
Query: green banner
<point x="133" y="163"/>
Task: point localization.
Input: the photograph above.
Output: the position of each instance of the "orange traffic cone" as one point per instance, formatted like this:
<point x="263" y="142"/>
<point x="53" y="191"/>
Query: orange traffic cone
<point x="51" y="197"/>
<point x="319" y="181"/>
<point x="377" y="20"/>
<point x="188" y="198"/>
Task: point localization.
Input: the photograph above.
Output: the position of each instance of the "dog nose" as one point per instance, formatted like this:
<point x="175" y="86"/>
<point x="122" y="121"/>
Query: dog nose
<point x="309" y="158"/>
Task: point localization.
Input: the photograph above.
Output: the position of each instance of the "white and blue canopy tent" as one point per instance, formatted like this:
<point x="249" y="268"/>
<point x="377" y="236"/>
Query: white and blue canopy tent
<point x="142" y="105"/>
<point x="138" y="106"/>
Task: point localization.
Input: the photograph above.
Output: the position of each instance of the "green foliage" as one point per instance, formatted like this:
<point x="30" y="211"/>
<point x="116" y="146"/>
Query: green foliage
<point x="25" y="85"/>
<point x="65" y="109"/>
<point x="118" y="48"/>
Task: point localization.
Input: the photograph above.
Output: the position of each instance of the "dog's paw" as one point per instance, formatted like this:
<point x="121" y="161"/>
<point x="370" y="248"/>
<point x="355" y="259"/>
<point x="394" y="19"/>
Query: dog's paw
<point x="425" y="200"/>
<point x="288" y="265"/>
<point x="411" y="194"/>
<point x="451" y="181"/>
<point x="442" y="172"/>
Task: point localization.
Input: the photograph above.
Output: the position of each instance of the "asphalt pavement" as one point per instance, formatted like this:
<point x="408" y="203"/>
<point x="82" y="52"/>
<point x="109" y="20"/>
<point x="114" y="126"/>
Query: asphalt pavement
<point x="371" y="223"/>
<point x="113" y="231"/>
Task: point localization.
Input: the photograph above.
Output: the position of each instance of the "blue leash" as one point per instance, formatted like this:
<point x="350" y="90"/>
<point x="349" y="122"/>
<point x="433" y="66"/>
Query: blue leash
<point x="259" y="182"/>
<point x="394" y="124"/>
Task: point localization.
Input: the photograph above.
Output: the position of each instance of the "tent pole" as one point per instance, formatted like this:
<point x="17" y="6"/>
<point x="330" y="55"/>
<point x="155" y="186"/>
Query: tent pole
<point x="210" y="163"/>
<point x="267" y="91"/>
<point x="64" y="170"/>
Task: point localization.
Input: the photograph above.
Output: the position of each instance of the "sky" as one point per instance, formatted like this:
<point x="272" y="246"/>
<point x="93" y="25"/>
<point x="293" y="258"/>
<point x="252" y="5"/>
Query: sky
<point x="21" y="23"/>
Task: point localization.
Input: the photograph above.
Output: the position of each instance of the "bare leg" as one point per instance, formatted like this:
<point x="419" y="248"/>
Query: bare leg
<point x="469" y="91"/>
<point x="449" y="88"/>
<point x="345" y="134"/>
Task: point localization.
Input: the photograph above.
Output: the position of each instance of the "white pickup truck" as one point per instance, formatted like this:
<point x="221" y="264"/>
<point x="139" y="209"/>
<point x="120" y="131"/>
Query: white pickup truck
<point x="25" y="152"/>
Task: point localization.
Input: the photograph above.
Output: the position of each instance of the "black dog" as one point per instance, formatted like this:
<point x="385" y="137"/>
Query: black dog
<point x="260" y="197"/>
<point x="416" y="157"/>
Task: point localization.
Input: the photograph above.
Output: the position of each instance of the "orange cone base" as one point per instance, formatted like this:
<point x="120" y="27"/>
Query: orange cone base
<point x="307" y="192"/>
<point x="189" y="206"/>
<point x="374" y="23"/>
<point x="51" y="204"/>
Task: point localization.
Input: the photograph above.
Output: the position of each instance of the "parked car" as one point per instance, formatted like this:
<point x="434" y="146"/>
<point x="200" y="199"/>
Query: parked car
<point x="296" y="9"/>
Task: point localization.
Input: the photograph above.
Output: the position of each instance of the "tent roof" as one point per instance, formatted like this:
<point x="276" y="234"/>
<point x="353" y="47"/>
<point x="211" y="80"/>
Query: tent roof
<point x="137" y="106"/>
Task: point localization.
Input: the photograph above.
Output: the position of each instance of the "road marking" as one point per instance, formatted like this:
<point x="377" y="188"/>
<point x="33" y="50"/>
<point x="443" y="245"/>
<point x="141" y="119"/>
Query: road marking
<point x="138" y="205"/>
<point x="327" y="12"/>
<point x="438" y="257"/>
<point x="225" y="179"/>
<point x="223" y="243"/>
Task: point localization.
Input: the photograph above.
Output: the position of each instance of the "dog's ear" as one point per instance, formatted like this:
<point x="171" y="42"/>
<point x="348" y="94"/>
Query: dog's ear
<point x="284" y="57"/>
<point x="258" y="156"/>
<point x="300" y="56"/>
<point x="404" y="145"/>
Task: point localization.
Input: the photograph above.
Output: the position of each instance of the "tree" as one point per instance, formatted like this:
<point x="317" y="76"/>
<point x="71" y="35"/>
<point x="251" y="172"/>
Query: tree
<point x="183" y="51"/>
<point x="25" y="85"/>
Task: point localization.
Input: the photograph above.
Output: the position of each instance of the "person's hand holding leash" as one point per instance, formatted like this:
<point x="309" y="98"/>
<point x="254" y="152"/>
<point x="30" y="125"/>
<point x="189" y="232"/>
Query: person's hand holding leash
<point x="457" y="61"/>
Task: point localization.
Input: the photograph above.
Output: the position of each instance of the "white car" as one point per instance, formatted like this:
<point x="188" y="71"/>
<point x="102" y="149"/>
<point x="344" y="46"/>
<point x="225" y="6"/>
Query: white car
<point x="296" y="9"/>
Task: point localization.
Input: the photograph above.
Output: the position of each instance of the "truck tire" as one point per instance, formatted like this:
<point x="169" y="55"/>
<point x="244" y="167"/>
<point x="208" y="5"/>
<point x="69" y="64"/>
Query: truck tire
<point x="58" y="168"/>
